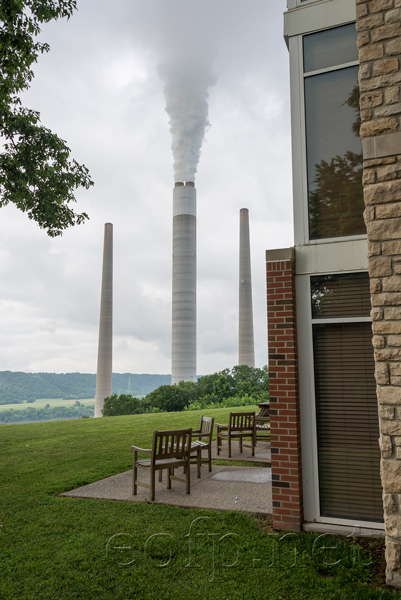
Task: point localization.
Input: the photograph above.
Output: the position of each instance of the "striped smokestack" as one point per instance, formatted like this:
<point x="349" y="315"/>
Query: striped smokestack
<point x="184" y="283"/>
<point x="246" y="350"/>
<point x="105" y="349"/>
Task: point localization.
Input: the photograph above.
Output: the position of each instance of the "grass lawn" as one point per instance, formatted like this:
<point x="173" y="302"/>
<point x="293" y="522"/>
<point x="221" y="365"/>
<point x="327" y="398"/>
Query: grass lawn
<point x="65" y="548"/>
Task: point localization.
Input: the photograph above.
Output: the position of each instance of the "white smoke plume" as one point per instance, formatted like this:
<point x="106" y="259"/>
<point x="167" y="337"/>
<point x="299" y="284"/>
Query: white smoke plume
<point x="189" y="38"/>
<point x="186" y="89"/>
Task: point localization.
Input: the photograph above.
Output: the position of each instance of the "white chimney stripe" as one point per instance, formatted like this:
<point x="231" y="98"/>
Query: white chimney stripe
<point x="184" y="201"/>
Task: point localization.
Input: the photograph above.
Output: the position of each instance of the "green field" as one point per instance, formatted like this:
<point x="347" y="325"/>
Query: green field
<point x="70" y="548"/>
<point x="41" y="403"/>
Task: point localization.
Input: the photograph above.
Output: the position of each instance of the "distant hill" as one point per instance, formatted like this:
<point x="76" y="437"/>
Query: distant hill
<point x="20" y="387"/>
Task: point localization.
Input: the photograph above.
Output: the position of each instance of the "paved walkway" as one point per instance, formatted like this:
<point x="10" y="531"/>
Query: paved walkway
<point x="243" y="488"/>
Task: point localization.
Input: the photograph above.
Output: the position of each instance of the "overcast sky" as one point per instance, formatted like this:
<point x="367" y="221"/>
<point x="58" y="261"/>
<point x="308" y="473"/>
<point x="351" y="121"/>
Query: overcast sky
<point x="99" y="89"/>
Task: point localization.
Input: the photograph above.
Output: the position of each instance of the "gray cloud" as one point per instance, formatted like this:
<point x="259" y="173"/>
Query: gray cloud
<point x="99" y="88"/>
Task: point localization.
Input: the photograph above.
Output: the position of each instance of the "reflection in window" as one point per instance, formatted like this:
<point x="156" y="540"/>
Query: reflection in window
<point x="334" y="154"/>
<point x="340" y="295"/>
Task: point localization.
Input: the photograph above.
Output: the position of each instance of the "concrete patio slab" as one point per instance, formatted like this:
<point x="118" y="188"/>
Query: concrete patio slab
<point x="239" y="488"/>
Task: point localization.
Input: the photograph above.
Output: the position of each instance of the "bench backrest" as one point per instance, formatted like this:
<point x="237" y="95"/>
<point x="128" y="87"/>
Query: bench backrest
<point x="175" y="443"/>
<point x="242" y="421"/>
<point x="206" y="426"/>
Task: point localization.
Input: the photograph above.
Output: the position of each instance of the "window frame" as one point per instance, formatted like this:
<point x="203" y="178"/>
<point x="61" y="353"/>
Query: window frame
<point x="299" y="148"/>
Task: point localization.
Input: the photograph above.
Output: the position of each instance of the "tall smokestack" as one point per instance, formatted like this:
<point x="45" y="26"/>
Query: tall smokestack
<point x="105" y="349"/>
<point x="246" y="350"/>
<point x="184" y="283"/>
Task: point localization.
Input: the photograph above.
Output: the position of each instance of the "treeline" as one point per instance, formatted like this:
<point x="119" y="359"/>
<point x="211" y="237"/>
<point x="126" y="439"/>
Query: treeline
<point x="47" y="413"/>
<point x="18" y="387"/>
<point x="241" y="386"/>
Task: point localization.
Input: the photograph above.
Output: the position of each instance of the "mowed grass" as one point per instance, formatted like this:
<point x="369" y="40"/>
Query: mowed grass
<point x="41" y="403"/>
<point x="65" y="548"/>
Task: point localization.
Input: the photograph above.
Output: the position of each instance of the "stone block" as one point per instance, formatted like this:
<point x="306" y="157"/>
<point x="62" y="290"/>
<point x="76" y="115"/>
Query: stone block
<point x="394" y="341"/>
<point x="389" y="504"/>
<point x="393" y="527"/>
<point x="387" y="354"/>
<point x="375" y="162"/>
<point x="379" y="341"/>
<point x="386" y="412"/>
<point x="392" y="248"/>
<point x="371" y="99"/>
<point x="395" y="370"/>
<point x="392" y="95"/>
<point x="392" y="16"/>
<point x="378" y="5"/>
<point x="378" y="127"/>
<point x="397" y="267"/>
<point x="366" y="114"/>
<point x="392" y="314"/>
<point x="361" y="10"/>
<point x="391" y="476"/>
<point x="380" y="82"/>
<point x="388" y="111"/>
<point x="374" y="249"/>
<point x="388" y="211"/>
<point x="397" y="441"/>
<point x="362" y="38"/>
<point x="371" y="22"/>
<point x="393" y="47"/>
<point x="388" y="172"/>
<point x="369" y="214"/>
<point x="385" y="32"/>
<point x="393" y="555"/>
<point x="388" y="429"/>
<point x="392" y="284"/>
<point x="377" y="314"/>
<point x="388" y="191"/>
<point x="381" y="373"/>
<point x="365" y="70"/>
<point x="385" y="229"/>
<point x="375" y="286"/>
<point x="386" y="447"/>
<point x="391" y="395"/>
<point x="386" y="299"/>
<point x="380" y="266"/>
<point x="385" y="66"/>
<point x="386" y="327"/>
<point x="398" y="454"/>
<point x="396" y="381"/>
<point x="393" y="578"/>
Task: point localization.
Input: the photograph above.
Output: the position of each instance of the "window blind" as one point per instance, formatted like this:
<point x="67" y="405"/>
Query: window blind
<point x="347" y="422"/>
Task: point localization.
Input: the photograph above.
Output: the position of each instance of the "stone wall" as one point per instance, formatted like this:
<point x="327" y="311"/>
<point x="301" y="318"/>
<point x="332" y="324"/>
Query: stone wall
<point x="379" y="41"/>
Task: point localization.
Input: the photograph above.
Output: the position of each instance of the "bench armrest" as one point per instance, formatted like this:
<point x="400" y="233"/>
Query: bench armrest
<point x="138" y="449"/>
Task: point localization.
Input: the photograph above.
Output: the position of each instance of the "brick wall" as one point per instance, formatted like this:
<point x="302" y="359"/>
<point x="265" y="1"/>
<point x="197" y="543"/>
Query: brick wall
<point x="379" y="40"/>
<point x="283" y="383"/>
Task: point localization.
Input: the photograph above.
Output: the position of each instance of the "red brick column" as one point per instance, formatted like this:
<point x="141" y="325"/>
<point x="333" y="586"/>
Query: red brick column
<point x="283" y="384"/>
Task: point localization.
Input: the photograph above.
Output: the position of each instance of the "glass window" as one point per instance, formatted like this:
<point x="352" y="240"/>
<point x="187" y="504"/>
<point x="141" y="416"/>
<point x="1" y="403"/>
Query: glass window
<point x="334" y="154"/>
<point x="344" y="295"/>
<point x="330" y="47"/>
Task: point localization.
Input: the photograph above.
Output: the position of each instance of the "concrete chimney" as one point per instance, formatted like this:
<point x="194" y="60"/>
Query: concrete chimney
<point x="105" y="349"/>
<point x="184" y="283"/>
<point x="246" y="349"/>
